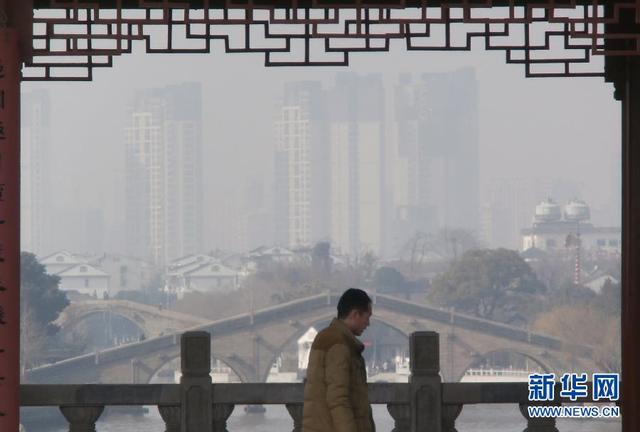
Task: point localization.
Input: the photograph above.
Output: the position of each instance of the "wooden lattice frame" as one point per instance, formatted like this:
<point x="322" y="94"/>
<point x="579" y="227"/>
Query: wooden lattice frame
<point x="550" y="38"/>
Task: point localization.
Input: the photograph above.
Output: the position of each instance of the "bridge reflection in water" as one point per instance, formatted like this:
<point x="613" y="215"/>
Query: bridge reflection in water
<point x="423" y="404"/>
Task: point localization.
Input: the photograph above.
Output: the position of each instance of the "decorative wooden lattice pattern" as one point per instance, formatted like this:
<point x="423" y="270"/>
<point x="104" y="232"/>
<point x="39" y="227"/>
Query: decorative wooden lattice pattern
<point x="550" y="38"/>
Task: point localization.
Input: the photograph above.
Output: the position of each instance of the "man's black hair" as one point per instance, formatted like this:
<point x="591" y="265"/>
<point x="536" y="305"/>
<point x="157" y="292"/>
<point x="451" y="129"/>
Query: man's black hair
<point x="351" y="299"/>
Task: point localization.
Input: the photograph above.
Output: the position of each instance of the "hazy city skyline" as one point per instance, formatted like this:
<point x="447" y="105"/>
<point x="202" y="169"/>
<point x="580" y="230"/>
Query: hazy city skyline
<point x="528" y="128"/>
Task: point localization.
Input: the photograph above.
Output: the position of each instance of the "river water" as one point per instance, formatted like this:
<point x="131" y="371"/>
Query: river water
<point x="479" y="418"/>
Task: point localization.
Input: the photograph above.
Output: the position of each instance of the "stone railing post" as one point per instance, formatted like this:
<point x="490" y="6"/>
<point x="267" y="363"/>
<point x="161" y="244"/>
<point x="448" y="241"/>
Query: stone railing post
<point x="171" y="416"/>
<point x="82" y="418"/>
<point x="295" y="411"/>
<point x="221" y="413"/>
<point x="539" y="424"/>
<point x="195" y="383"/>
<point x="449" y="415"/>
<point x="425" y="382"/>
<point x="401" y="415"/>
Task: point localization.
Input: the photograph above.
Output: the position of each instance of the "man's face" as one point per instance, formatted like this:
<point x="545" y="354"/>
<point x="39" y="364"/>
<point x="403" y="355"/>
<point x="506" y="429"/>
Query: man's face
<point x="360" y="320"/>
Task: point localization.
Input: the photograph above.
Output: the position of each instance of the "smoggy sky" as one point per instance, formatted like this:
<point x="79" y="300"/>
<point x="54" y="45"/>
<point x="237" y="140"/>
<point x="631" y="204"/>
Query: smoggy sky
<point x="528" y="127"/>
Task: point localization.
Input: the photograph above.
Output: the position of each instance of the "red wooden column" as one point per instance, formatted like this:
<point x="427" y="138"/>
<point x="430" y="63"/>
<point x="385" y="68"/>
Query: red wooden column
<point x="9" y="229"/>
<point x="630" y="95"/>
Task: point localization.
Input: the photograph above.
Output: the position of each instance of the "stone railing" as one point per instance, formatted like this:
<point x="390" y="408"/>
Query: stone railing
<point x="196" y="405"/>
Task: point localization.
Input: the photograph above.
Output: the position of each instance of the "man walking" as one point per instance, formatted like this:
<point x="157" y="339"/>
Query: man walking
<point x="336" y="398"/>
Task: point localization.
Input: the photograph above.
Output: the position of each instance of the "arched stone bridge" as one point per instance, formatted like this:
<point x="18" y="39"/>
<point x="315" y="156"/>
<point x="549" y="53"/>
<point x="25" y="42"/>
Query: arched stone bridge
<point x="152" y="321"/>
<point x="250" y="343"/>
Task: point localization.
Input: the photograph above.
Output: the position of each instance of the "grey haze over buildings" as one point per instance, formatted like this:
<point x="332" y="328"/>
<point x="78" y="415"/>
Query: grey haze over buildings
<point x="36" y="171"/>
<point x="437" y="144"/>
<point x="163" y="165"/>
<point x="521" y="138"/>
<point x="329" y="164"/>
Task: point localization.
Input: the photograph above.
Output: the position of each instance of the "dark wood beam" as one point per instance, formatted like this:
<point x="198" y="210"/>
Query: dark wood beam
<point x="630" y="95"/>
<point x="197" y="4"/>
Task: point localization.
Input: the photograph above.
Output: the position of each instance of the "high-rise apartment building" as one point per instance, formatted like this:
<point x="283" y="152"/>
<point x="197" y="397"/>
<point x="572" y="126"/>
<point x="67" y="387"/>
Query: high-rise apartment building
<point x="329" y="164"/>
<point x="301" y="166"/>
<point x="164" y="173"/>
<point x="437" y="135"/>
<point x="35" y="179"/>
<point x="357" y="143"/>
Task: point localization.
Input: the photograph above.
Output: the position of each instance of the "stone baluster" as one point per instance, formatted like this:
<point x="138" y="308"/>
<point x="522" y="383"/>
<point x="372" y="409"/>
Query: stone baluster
<point x="401" y="415"/>
<point x="195" y="383"/>
<point x="295" y="411"/>
<point x="171" y="415"/>
<point x="449" y="415"/>
<point x="221" y="413"/>
<point x="425" y="382"/>
<point x="539" y="424"/>
<point x="82" y="418"/>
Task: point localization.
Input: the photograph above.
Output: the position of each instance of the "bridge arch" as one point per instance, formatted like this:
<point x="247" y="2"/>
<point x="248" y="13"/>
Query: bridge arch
<point x="105" y="325"/>
<point x="69" y="324"/>
<point x="149" y="320"/>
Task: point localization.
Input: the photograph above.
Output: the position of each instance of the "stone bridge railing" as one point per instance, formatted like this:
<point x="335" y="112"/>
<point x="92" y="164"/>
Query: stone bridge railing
<point x="197" y="405"/>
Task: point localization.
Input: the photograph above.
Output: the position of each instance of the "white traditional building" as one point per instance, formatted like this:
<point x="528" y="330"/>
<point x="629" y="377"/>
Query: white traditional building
<point x="260" y="257"/>
<point x="78" y="273"/>
<point x="191" y="260"/>
<point x="212" y="277"/>
<point x="200" y="273"/>
<point x="271" y="253"/>
<point x="61" y="260"/>
<point x="188" y="263"/>
<point x="84" y="279"/>
<point x="125" y="273"/>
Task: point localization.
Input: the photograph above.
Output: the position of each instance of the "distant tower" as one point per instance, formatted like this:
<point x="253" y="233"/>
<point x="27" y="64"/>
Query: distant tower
<point x="577" y="211"/>
<point x="437" y="133"/>
<point x="301" y="166"/>
<point x="577" y="271"/>
<point x="35" y="179"/>
<point x="357" y="142"/>
<point x="164" y="173"/>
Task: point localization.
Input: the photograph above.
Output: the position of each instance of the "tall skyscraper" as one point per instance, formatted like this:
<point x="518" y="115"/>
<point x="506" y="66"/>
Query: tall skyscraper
<point x="35" y="179"/>
<point x="301" y="166"/>
<point x="437" y="133"/>
<point x="329" y="164"/>
<point x="164" y="173"/>
<point x="357" y="141"/>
